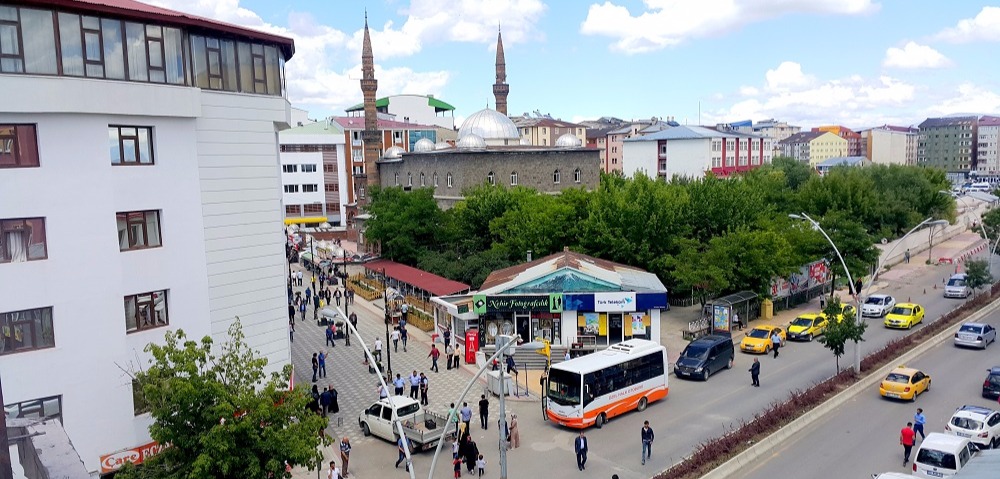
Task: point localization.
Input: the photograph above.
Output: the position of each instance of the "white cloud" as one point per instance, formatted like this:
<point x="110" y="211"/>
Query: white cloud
<point x="749" y="91"/>
<point x="984" y="27"/>
<point x="968" y="98"/>
<point x="914" y="55"/>
<point x="795" y="96"/>
<point x="669" y="22"/>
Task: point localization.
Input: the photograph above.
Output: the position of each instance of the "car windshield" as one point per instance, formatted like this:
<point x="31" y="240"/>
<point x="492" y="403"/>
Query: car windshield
<point x="970" y="328"/>
<point x="902" y="311"/>
<point x="802" y="322"/>
<point x="695" y="352"/>
<point x="932" y="458"/>
<point x="994" y="380"/>
<point x="759" y="333"/>
<point x="966" y="423"/>
<point x="564" y="387"/>
<point x="897" y="378"/>
<point x="960" y="282"/>
<point x="875" y="301"/>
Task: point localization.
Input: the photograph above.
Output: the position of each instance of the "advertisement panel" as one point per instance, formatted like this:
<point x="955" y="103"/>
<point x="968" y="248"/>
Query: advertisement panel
<point x="614" y="302"/>
<point x="136" y="455"/>
<point x="810" y="276"/>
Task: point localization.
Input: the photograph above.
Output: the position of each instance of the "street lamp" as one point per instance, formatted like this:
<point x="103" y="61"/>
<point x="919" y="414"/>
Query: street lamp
<point x="501" y="349"/>
<point x="982" y="226"/>
<point x="347" y="319"/>
<point x="885" y="256"/>
<point x="388" y="321"/>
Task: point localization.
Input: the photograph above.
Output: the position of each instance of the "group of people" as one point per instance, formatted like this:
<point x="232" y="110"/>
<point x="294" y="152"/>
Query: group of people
<point x="908" y="435"/>
<point x="345" y="458"/>
<point x="325" y="402"/>
<point x="419" y="385"/>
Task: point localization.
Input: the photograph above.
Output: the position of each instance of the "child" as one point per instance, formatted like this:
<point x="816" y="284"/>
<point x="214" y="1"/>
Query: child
<point x="481" y="465"/>
<point x="458" y="467"/>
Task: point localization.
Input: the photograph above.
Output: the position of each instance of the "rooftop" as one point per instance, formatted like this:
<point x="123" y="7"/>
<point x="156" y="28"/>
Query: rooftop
<point x="691" y="133"/>
<point x="989" y="121"/>
<point x="623" y="277"/>
<point x="358" y="123"/>
<point x="323" y="127"/>
<point x="803" y="137"/>
<point x="530" y="122"/>
<point x="947" y="121"/>
<point x="438" y="105"/>
<point x="430" y="282"/>
<point x="842" y="160"/>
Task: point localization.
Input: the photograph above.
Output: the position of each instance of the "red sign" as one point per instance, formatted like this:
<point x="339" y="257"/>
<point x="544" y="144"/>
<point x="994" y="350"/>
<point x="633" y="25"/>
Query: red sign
<point x="136" y="455"/>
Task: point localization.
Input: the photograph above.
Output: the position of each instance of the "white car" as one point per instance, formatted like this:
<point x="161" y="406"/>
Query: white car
<point x="975" y="335"/>
<point x="877" y="305"/>
<point x="979" y="424"/>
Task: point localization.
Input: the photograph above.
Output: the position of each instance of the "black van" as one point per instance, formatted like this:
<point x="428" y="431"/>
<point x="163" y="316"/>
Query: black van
<point x="704" y="356"/>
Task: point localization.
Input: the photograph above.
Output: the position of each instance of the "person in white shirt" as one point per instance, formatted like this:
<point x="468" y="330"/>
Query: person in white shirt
<point x="378" y="350"/>
<point x="394" y="336"/>
<point x="333" y="473"/>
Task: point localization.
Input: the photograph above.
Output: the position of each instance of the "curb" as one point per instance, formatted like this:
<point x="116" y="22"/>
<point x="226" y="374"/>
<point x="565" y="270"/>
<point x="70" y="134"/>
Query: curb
<point x="775" y="439"/>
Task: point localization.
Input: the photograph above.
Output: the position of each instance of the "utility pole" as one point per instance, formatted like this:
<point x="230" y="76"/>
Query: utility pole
<point x="5" y="466"/>
<point x="347" y="318"/>
<point x="388" y="321"/>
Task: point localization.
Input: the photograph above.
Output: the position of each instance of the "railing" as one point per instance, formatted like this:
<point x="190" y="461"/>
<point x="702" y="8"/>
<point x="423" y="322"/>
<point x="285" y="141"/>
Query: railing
<point x="361" y="287"/>
<point x="696" y="329"/>
<point x="681" y="302"/>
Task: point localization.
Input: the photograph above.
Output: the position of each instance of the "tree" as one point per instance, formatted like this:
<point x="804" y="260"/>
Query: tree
<point x="795" y="172"/>
<point x="977" y="274"/>
<point x="220" y="416"/>
<point x="839" y="331"/>
<point x="699" y="271"/>
<point x="403" y="223"/>
<point x="991" y="222"/>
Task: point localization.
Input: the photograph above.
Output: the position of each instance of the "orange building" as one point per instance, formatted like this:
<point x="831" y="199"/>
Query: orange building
<point x="855" y="147"/>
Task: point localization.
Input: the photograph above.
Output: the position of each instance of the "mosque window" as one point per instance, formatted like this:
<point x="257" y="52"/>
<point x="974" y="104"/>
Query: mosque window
<point x="556" y="177"/>
<point x="513" y="178"/>
<point x="491" y="178"/>
<point x="576" y="176"/>
<point x="450" y="183"/>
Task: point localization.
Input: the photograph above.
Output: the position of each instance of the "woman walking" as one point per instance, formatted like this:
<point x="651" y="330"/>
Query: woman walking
<point x="514" y="440"/>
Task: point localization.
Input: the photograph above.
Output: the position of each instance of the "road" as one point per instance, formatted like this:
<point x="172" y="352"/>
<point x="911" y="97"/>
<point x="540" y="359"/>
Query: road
<point x="866" y="430"/>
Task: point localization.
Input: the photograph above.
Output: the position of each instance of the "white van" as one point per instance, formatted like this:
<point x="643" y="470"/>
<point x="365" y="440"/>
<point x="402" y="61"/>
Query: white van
<point x="956" y="287"/>
<point x="942" y="455"/>
<point x="983" y="187"/>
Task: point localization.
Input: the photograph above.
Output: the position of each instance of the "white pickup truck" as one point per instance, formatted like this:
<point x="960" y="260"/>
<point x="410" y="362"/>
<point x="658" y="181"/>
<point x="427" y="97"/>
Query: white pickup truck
<point x="423" y="429"/>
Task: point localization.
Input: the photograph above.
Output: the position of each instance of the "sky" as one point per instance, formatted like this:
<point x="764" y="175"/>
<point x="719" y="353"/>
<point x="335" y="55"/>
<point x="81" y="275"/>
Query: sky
<point x="857" y="63"/>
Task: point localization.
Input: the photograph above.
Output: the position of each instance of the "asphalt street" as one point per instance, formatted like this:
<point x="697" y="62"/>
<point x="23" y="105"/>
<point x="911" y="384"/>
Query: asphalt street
<point x="862" y="436"/>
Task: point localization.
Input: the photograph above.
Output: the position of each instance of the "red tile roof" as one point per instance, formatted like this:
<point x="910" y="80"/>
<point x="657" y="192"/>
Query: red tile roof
<point x="131" y="9"/>
<point x="417" y="278"/>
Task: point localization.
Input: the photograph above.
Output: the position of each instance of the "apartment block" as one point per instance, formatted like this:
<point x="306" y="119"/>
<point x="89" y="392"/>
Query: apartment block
<point x="949" y="143"/>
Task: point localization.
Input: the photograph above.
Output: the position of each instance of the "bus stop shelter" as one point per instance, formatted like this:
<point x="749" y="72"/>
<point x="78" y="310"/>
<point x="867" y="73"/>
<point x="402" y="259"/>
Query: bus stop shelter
<point x="723" y="311"/>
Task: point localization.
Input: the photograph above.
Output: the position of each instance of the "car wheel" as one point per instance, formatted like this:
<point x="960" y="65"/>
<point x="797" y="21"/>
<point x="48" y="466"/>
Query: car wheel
<point x="365" y="431"/>
<point x="809" y="337"/>
<point x="704" y="374"/>
<point x="601" y="419"/>
<point x="729" y="365"/>
<point x="643" y="402"/>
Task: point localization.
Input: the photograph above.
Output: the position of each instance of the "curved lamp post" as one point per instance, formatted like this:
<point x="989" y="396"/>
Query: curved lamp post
<point x="982" y="226"/>
<point x="885" y="256"/>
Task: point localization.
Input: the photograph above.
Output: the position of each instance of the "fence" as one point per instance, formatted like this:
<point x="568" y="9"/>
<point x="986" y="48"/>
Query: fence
<point x="681" y="302"/>
<point x="801" y="297"/>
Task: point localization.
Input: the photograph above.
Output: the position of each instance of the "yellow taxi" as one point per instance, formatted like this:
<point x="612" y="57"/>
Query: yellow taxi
<point x="807" y="326"/>
<point x="904" y="316"/>
<point x="758" y="339"/>
<point x="904" y="383"/>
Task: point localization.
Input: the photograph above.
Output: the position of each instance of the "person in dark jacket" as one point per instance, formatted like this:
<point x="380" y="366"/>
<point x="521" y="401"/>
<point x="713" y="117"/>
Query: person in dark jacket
<point x="647" y="441"/>
<point x="471" y="454"/>
<point x="755" y="373"/>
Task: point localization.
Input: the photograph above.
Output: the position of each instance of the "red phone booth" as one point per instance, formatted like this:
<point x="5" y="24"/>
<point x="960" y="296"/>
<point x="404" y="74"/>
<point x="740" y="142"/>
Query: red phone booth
<point x="471" y="345"/>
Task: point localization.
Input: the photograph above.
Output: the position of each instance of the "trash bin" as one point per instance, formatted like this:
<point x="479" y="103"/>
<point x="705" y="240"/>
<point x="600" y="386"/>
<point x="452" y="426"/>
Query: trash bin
<point x="767" y="309"/>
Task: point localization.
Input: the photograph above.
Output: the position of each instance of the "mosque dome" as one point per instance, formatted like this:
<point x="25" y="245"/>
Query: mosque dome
<point x="471" y="140"/>
<point x="442" y="145"/>
<point x="392" y="153"/>
<point x="489" y="125"/>
<point x="568" y="140"/>
<point x="525" y="141"/>
<point x="423" y="145"/>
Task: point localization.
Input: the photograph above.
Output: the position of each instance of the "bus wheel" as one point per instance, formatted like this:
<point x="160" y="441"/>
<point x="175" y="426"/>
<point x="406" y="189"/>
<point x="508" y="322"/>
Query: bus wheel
<point x="642" y="404"/>
<point x="601" y="419"/>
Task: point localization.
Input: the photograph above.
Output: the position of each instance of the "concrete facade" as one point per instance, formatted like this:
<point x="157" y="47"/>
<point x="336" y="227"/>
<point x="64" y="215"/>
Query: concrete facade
<point x="693" y="151"/>
<point x="313" y="154"/>
<point x="545" y="132"/>
<point x="988" y="159"/>
<point x="949" y="143"/>
<point x="890" y="145"/>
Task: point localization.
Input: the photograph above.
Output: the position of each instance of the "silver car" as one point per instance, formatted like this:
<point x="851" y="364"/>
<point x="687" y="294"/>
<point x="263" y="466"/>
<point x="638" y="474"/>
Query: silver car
<point x="976" y="335"/>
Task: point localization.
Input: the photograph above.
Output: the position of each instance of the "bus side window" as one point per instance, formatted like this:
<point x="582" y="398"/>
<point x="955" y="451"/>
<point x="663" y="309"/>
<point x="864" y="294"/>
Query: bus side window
<point x="590" y="388"/>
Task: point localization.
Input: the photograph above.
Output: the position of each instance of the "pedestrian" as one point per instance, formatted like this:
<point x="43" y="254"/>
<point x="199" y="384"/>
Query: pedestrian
<point x="336" y="296"/>
<point x="513" y="434"/>
<point x="308" y="294"/>
<point x="457" y="462"/>
<point x="423" y="389"/>
<point x="918" y="424"/>
<point x="580" y="446"/>
<point x="647" y="441"/>
<point x="447" y="337"/>
<point x="291" y="331"/>
<point x="334" y="404"/>
<point x="481" y="465"/>
<point x="736" y="319"/>
<point x="453" y="417"/>
<point x="466" y="414"/>
<point x="403" y="336"/>
<point x="414" y="384"/>
<point x="906" y="256"/>
<point x="378" y="350"/>
<point x="330" y="331"/>
<point x="322" y="364"/>
<point x="511" y="368"/>
<point x="906" y="439"/>
<point x="566" y="358"/>
<point x="302" y="311"/>
<point x="775" y="343"/>
<point x="454" y="449"/>
<point x="401" y="446"/>
<point x="755" y="373"/>
<point x="458" y="355"/>
<point x="448" y="351"/>
<point x="291" y="311"/>
<point x="399" y="385"/>
<point x="471" y="454"/>
<point x="315" y="365"/>
<point x="394" y="336"/>
<point x="333" y="473"/>
<point x="434" y="355"/>
<point x="298" y="277"/>
<point x="324" y="401"/>
<point x="382" y="392"/>
<point x="484" y="410"/>
<point x="345" y="454"/>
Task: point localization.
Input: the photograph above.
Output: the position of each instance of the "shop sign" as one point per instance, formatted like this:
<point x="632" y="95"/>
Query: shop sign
<point x="136" y="455"/>
<point x="482" y="304"/>
<point x="614" y="302"/>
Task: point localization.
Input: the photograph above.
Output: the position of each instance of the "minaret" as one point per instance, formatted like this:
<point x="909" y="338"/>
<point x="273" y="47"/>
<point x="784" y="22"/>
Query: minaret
<point x="371" y="136"/>
<point x="500" y="88"/>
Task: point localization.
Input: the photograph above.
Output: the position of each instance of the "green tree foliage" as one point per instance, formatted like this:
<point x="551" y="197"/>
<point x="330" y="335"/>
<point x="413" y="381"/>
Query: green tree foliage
<point x="838" y="333"/>
<point x="977" y="274"/>
<point x="991" y="222"/>
<point x="220" y="414"/>
<point x="407" y="222"/>
<point x="794" y="172"/>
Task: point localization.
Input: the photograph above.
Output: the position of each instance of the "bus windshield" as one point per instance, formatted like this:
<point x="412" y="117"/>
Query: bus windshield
<point x="564" y="387"/>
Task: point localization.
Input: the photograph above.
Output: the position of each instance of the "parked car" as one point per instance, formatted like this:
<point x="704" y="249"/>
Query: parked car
<point x="423" y="429"/>
<point x="941" y="455"/>
<point x="704" y="356"/>
<point x="877" y="305"/>
<point x="957" y="287"/>
<point x="904" y="383"/>
<point x="975" y="335"/>
<point x="806" y="327"/>
<point x="979" y="424"/>
<point x="758" y="339"/>
<point x="904" y="316"/>
<point x="991" y="386"/>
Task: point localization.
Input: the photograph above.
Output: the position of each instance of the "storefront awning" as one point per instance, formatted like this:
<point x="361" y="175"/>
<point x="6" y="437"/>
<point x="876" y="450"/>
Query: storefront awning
<point x="305" y="219"/>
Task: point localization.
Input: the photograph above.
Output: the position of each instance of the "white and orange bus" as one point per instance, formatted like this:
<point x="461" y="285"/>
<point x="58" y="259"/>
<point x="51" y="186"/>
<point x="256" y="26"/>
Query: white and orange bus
<point x="591" y="389"/>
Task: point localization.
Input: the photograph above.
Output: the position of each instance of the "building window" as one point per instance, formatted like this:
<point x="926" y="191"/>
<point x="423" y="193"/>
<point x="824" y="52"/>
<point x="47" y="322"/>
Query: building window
<point x="513" y="178"/>
<point x="291" y="188"/>
<point x="395" y="179"/>
<point x="139" y="404"/>
<point x="435" y="180"/>
<point x="409" y="179"/>
<point x="146" y="311"/>
<point x="138" y="230"/>
<point x="329" y="168"/>
<point x="743" y="161"/>
<point x="307" y="168"/>
<point x="332" y="208"/>
<point x="361" y="191"/>
<point x="450" y="183"/>
<point x="130" y="145"/>
<point x="576" y="175"/>
<point x="491" y="178"/>
<point x="556" y="177"/>
<point x="289" y="168"/>
<point x="293" y="210"/>
<point x="423" y="181"/>
<point x="22" y="239"/>
<point x="312" y="209"/>
<point x="41" y="408"/>
<point x="18" y="143"/>
<point x="310" y="188"/>
<point x="26" y="330"/>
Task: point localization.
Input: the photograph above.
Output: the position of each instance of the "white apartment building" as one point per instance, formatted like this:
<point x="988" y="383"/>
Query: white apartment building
<point x="154" y="132"/>
<point x="693" y="151"/>
<point x="313" y="175"/>
<point x="890" y="145"/>
<point x="988" y="160"/>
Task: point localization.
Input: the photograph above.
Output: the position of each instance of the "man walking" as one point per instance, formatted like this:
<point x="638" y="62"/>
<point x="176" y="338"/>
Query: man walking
<point x="423" y="389"/>
<point x="755" y="373"/>
<point x="775" y="343"/>
<point x="466" y="412"/>
<point x="403" y="336"/>
<point x="906" y="256"/>
<point x="484" y="410"/>
<point x="434" y="355"/>
<point x="324" y="401"/>
<point x="394" y="336"/>
<point x="315" y="366"/>
<point x="345" y="454"/>
<point x="302" y="311"/>
<point x="378" y="350"/>
<point x="414" y="384"/>
<point x="401" y="446"/>
<point x="322" y="364"/>
<point x="647" y="441"/>
<point x="447" y="337"/>
<point x="329" y="336"/>
<point x="918" y="424"/>
<point x="906" y="438"/>
<point x="398" y="384"/>
<point x="448" y="351"/>
<point x="580" y="446"/>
